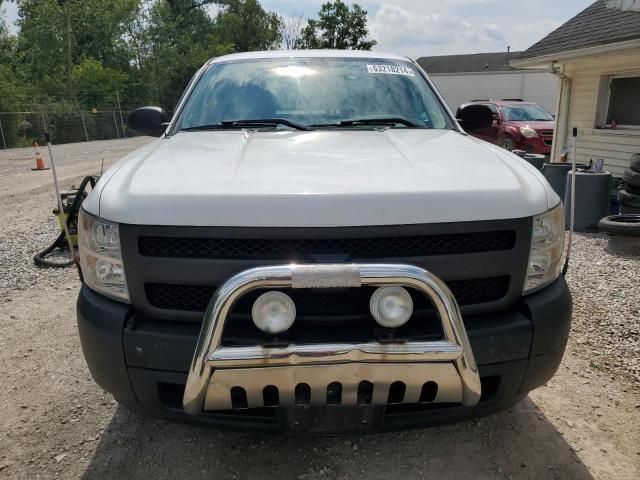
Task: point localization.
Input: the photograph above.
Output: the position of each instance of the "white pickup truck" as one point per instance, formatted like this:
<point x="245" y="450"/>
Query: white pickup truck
<point x="314" y="243"/>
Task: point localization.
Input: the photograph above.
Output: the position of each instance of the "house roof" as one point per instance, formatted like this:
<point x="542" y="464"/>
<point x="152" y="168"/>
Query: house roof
<point x="475" y="62"/>
<point x="596" y="25"/>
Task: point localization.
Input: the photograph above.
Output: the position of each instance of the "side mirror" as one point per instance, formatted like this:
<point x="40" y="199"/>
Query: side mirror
<point x="148" y="121"/>
<point x="475" y="117"/>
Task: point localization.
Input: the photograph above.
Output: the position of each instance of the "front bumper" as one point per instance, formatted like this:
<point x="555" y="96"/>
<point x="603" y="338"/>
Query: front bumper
<point x="539" y="145"/>
<point x="145" y="365"/>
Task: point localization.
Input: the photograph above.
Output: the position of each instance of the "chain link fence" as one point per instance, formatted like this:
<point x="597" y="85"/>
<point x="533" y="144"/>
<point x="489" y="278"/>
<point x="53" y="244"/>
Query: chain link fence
<point x="21" y="129"/>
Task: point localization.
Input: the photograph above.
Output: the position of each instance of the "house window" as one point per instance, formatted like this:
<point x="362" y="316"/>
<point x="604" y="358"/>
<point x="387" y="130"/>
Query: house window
<point x="622" y="102"/>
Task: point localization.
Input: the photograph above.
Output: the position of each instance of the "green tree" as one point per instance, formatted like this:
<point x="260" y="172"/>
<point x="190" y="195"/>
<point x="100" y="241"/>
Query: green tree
<point x="55" y="35"/>
<point x="7" y="44"/>
<point x="99" y="29"/>
<point x="338" y="27"/>
<point x="41" y="45"/>
<point x="9" y="85"/>
<point x="11" y="89"/>
<point x="71" y="54"/>
<point x="247" y="26"/>
<point x="97" y="85"/>
<point x="179" y="40"/>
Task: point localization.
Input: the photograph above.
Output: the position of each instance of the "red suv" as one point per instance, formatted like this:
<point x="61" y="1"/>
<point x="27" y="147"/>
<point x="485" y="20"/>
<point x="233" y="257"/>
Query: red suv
<point x="516" y="125"/>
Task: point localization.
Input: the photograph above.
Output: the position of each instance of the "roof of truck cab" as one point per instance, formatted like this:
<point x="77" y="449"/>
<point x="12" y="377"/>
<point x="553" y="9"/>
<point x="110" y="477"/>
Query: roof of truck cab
<point x="308" y="54"/>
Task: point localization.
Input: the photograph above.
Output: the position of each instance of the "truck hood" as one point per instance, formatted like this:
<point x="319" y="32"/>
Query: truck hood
<point x="319" y="178"/>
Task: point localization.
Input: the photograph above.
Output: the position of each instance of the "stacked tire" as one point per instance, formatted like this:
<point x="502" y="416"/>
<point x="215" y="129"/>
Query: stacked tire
<point x="623" y="232"/>
<point x="629" y="196"/>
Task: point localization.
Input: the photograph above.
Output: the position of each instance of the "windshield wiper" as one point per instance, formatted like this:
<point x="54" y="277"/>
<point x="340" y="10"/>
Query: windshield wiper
<point x="268" y="122"/>
<point x="257" y="123"/>
<point x="390" y="121"/>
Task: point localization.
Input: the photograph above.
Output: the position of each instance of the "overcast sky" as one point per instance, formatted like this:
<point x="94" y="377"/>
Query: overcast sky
<point x="440" y="27"/>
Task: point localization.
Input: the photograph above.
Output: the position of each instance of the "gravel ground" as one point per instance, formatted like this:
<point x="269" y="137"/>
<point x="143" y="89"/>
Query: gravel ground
<point x="29" y="197"/>
<point x="55" y="422"/>
<point x="606" y="326"/>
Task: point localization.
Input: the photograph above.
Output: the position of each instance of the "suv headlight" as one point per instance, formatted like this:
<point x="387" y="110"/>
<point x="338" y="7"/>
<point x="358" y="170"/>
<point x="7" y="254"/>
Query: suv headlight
<point x="547" y="245"/>
<point x="100" y="256"/>
<point x="528" y="132"/>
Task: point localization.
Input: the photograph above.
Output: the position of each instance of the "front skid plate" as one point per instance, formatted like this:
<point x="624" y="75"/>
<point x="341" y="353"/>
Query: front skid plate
<point x="318" y="377"/>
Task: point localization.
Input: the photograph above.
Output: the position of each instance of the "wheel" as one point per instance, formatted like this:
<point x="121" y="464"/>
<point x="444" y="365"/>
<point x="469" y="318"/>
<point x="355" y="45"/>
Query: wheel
<point x="635" y="162"/>
<point x="629" y="199"/>
<point x="621" y="225"/>
<point x="507" y="143"/>
<point x="626" y="209"/>
<point x="631" y="177"/>
<point x="631" y="189"/>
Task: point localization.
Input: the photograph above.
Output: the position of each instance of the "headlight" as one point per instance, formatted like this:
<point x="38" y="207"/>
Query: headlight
<point x="547" y="245"/>
<point x="528" y="132"/>
<point x="391" y="307"/>
<point x="100" y="257"/>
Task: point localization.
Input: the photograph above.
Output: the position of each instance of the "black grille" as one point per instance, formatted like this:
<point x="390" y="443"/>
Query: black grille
<point x="305" y="249"/>
<point x="321" y="302"/>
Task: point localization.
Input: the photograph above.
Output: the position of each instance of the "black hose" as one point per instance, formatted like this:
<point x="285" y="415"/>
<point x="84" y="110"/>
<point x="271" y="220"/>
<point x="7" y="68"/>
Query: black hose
<point x="61" y="242"/>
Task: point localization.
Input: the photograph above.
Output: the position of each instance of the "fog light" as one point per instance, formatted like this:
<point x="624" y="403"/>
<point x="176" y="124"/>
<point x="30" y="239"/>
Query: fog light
<point x="391" y="306"/>
<point x="273" y="312"/>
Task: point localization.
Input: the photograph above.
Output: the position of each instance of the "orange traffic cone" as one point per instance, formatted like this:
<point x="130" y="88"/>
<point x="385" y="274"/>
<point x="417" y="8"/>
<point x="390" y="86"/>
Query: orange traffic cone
<point x="40" y="165"/>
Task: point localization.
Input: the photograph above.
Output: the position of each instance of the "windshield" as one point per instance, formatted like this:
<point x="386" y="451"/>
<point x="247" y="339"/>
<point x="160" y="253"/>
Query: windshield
<point x="314" y="92"/>
<point x="524" y="113"/>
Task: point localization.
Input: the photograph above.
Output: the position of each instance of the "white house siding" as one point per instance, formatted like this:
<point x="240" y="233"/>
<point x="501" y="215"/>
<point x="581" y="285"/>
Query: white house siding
<point x="534" y="86"/>
<point x="615" y="147"/>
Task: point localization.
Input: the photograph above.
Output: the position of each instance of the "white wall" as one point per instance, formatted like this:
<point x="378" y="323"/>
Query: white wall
<point x="534" y="86"/>
<point x="586" y="74"/>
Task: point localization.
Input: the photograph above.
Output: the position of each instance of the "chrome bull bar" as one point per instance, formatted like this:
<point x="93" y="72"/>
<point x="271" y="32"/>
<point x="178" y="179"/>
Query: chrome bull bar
<point x="216" y="369"/>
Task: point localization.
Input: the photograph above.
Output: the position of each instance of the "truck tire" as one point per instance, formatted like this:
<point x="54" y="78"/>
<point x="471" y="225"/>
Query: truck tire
<point x="626" y="209"/>
<point x="631" y="177"/>
<point x="629" y="199"/>
<point x="621" y="225"/>
<point x="635" y="162"/>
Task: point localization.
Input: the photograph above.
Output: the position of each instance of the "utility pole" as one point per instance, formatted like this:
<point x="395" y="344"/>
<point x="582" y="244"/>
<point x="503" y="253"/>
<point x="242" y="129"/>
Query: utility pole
<point x="4" y="142"/>
<point x="84" y="127"/>
<point x="69" y="62"/>
<point x="67" y="11"/>
<point x="115" y="124"/>
<point x="124" y="132"/>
